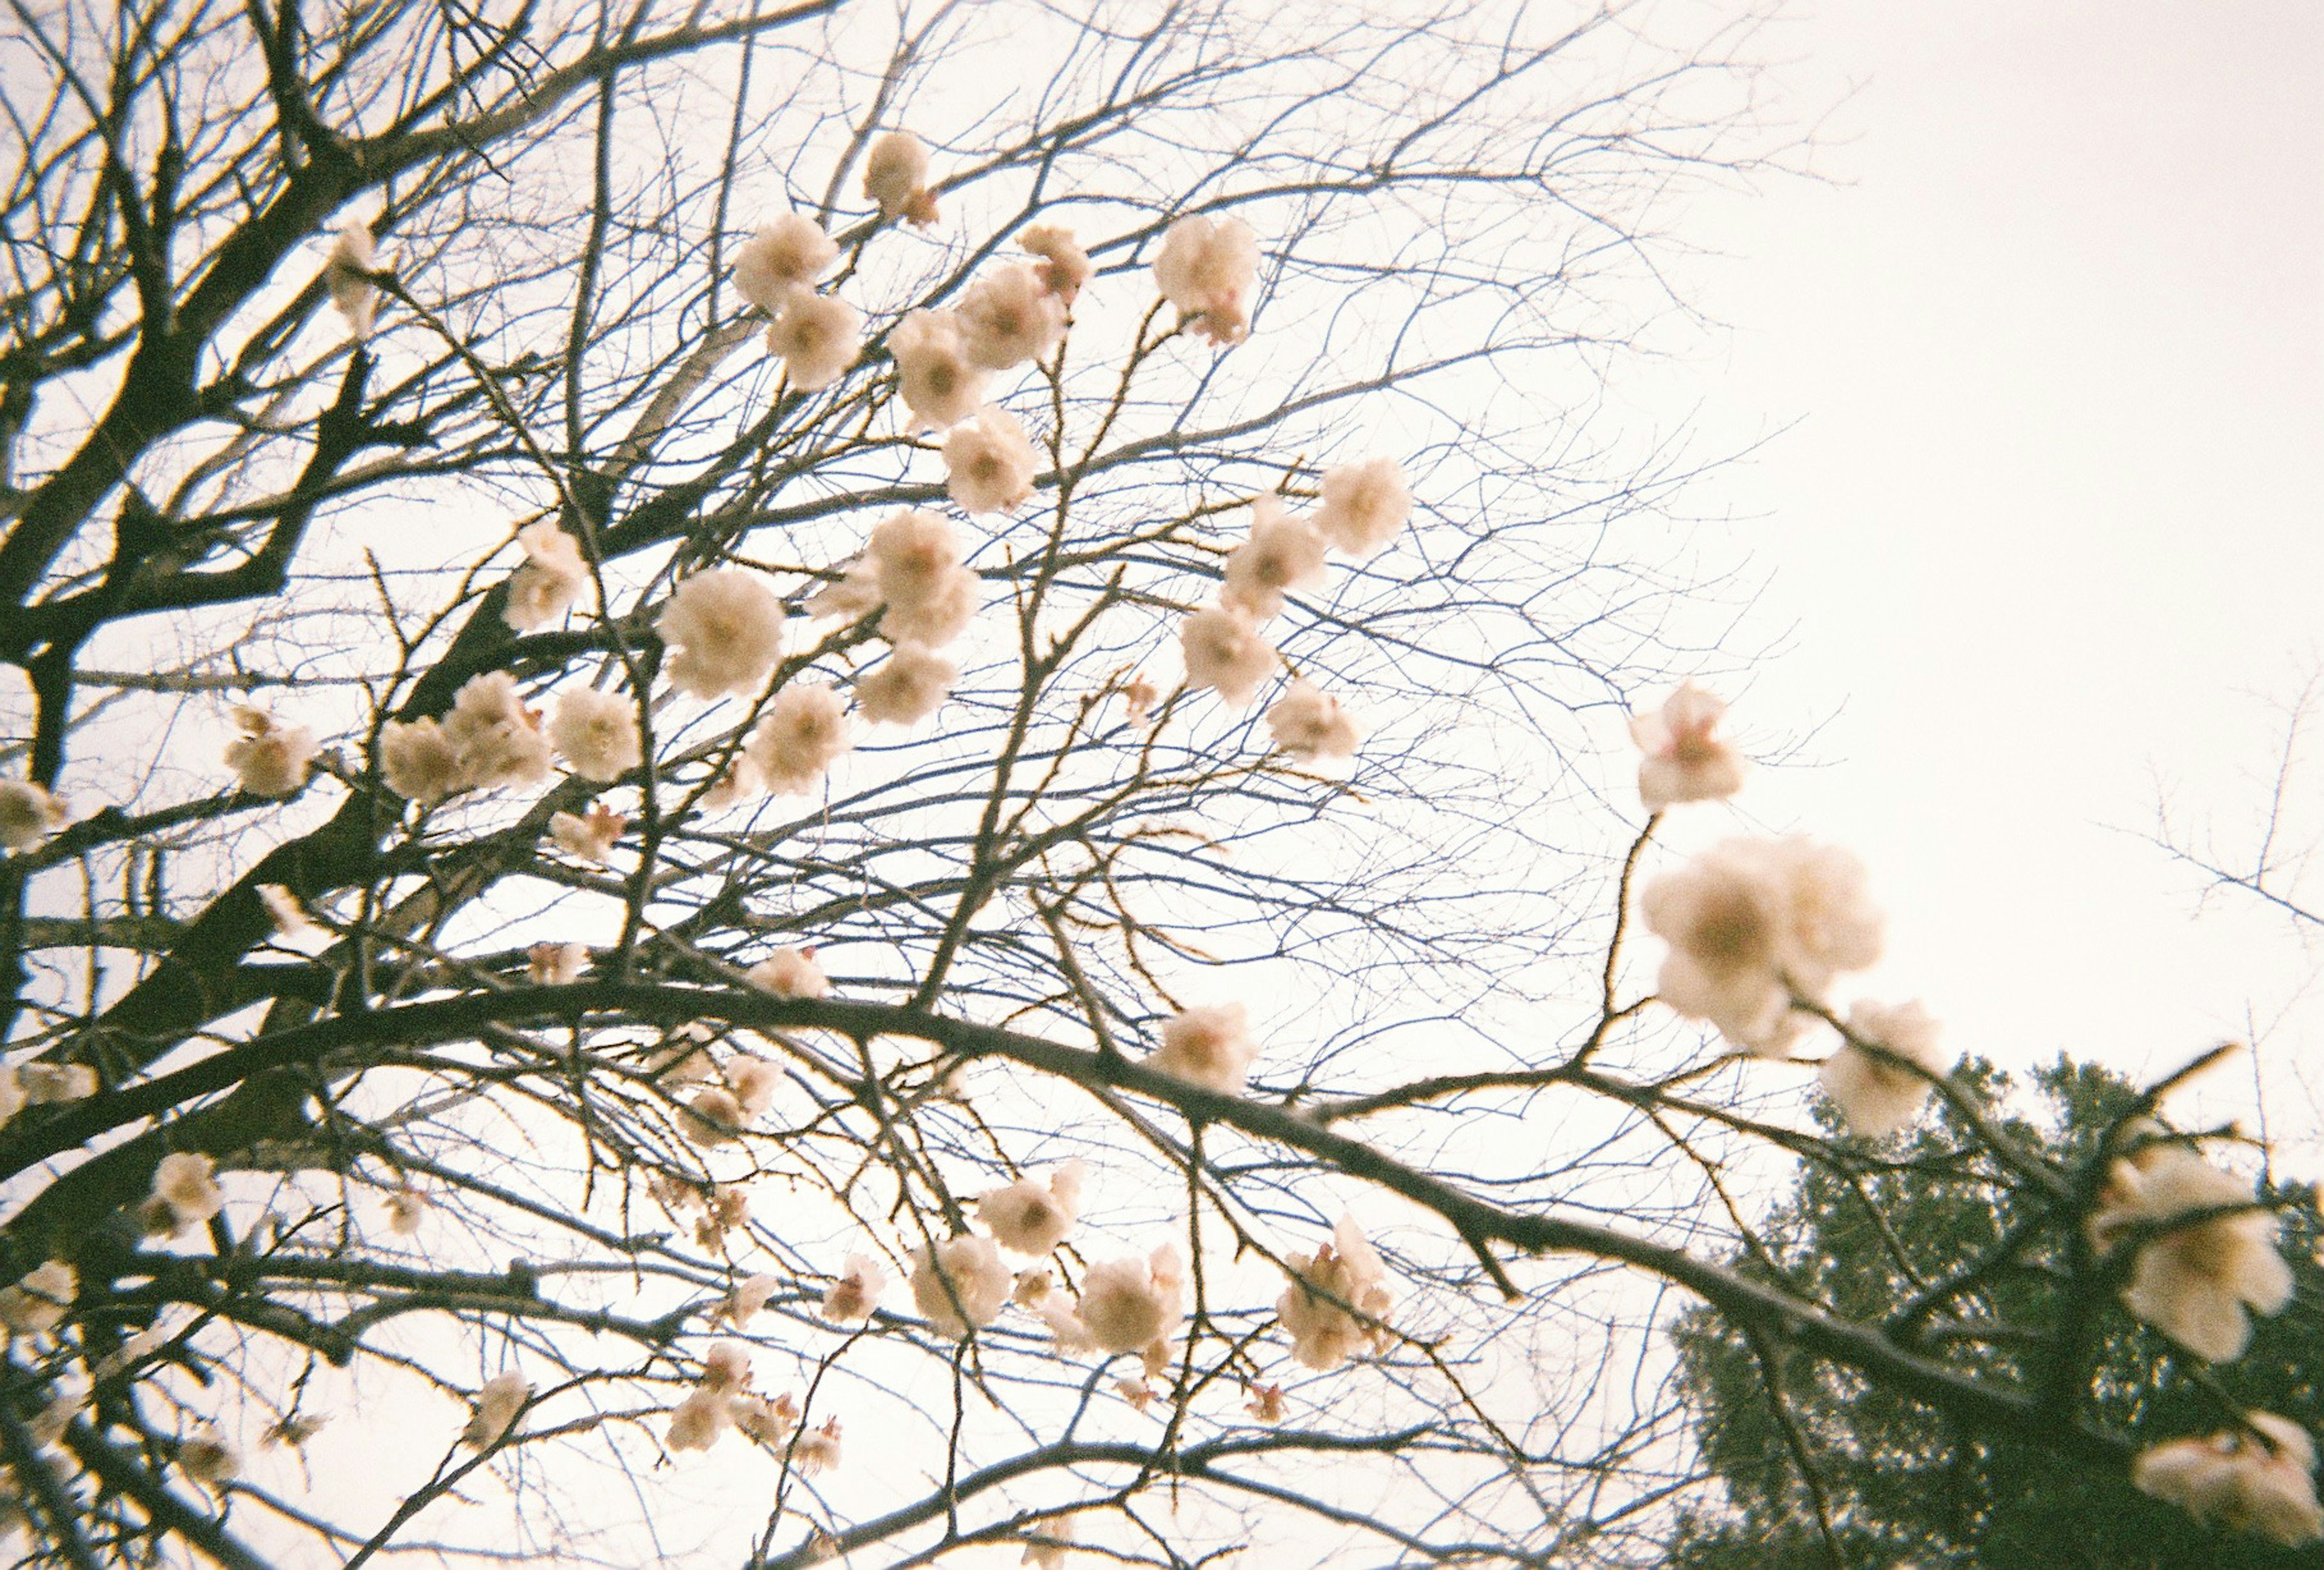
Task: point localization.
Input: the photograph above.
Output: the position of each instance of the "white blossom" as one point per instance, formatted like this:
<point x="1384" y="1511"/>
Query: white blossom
<point x="353" y="254"/>
<point x="1310" y="723"/>
<point x="503" y="1396"/>
<point x="1282" y="552"/>
<point x="1682" y="761"/>
<point x="406" y="1207"/>
<point x="1878" y="1098"/>
<point x="37" y="1303"/>
<point x="791" y="252"/>
<point x="1224" y="649"/>
<point x="909" y="685"/>
<point x="1751" y="922"/>
<point x="28" y="814"/>
<point x="754" y="1082"/>
<point x="1133" y="1305"/>
<point x="1033" y="1218"/>
<point x="930" y="595"/>
<point x="989" y="463"/>
<point x="726" y="1367"/>
<point x="1365" y="505"/>
<point x="2263" y="1483"/>
<point x="696" y="1422"/>
<point x="1208" y="1046"/>
<point x="1063" y="266"/>
<point x="269" y="758"/>
<point x="549" y="965"/>
<point x="2193" y="1281"/>
<point x="186" y="1193"/>
<point x="818" y="1450"/>
<point x="589" y="836"/>
<point x="1006" y="317"/>
<point x="960" y="1284"/>
<point x="295" y="1428"/>
<point x="895" y="176"/>
<point x="418" y="760"/>
<point x="726" y="627"/>
<point x="762" y="1421"/>
<point x="1337" y="1304"/>
<point x="1208" y="268"/>
<point x="856" y="1293"/>
<point x="939" y="383"/>
<point x="1049" y="1544"/>
<point x="552" y="576"/>
<point x="802" y="733"/>
<point x="818" y="336"/>
<point x="597" y="732"/>
<point x="714" y="1116"/>
<point x="46" y="1083"/>
<point x="852" y="597"/>
<point x="497" y="738"/>
<point x="790" y="973"/>
<point x="748" y="1298"/>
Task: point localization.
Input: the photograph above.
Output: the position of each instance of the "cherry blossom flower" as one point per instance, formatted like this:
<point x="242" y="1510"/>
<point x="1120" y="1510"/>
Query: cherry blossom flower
<point x="1751" y="922"/>
<point x="589" y="836"/>
<point x="1282" y="552"/>
<point x="1007" y="317"/>
<point x="791" y="252"/>
<point x="765" y="1422"/>
<point x="748" y="1298"/>
<point x="696" y="1422"/>
<point x="1266" y="1403"/>
<point x="497" y="740"/>
<point x="406" y="1208"/>
<point x="726" y="627"/>
<point x="39" y="1302"/>
<point x="754" y="1082"/>
<point x="1049" y="1544"/>
<point x="186" y="1193"/>
<point x="1133" y="1305"/>
<point x="916" y="559"/>
<point x="1337" y="1299"/>
<point x="1063" y="266"/>
<point x="818" y="1450"/>
<point x="989" y="463"/>
<point x="1684" y="762"/>
<point x="1310" y="724"/>
<point x="208" y="1458"/>
<point x="46" y="1083"/>
<point x="2262" y="1482"/>
<point x="498" y="1404"/>
<point x="597" y="732"/>
<point x="2193" y="1281"/>
<point x="1365" y="505"/>
<point x="895" y="176"/>
<point x="714" y="1116"/>
<point x="853" y="596"/>
<point x="790" y="973"/>
<point x="802" y="733"/>
<point x="552" y="576"/>
<point x="419" y="761"/>
<point x="726" y="1366"/>
<point x="909" y="685"/>
<point x="354" y="254"/>
<point x="1138" y="700"/>
<point x="940" y="385"/>
<point x="1207" y="268"/>
<point x="1225" y="650"/>
<point x="1209" y="1046"/>
<point x="1878" y="1098"/>
<point x="269" y="758"/>
<point x="549" y="965"/>
<point x="1033" y="1218"/>
<point x="960" y="1284"/>
<point x="818" y="336"/>
<point x="856" y="1293"/>
<point x="28" y="814"/>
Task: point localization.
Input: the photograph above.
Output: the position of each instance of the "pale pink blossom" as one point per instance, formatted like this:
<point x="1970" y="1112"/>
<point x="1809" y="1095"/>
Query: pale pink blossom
<point x="1138" y="698"/>
<point x="726" y="1366"/>
<point x="754" y="1082"/>
<point x="1877" y="1097"/>
<point x="1310" y="723"/>
<point x="909" y="685"/>
<point x="960" y="1284"/>
<point x="1063" y="266"/>
<point x="2193" y="1281"/>
<point x="353" y="253"/>
<point x="552" y="578"/>
<point x="917" y="560"/>
<point x="549" y="965"/>
<point x="1751" y="922"/>
<point x="1365" y="505"/>
<point x="1208" y="268"/>
<point x="1682" y="761"/>
<point x="418" y="760"/>
<point x="792" y="250"/>
<point x="186" y="1192"/>
<point x="802" y="733"/>
<point x="1208" y="1046"/>
<point x="503" y="1398"/>
<point x="1225" y="650"/>
<point x="818" y="336"/>
<point x="597" y="732"/>
<point x="790" y="973"/>
<point x="1283" y="552"/>
<point x="291" y="922"/>
<point x="856" y="1293"/>
<point x="497" y="740"/>
<point x="1266" y="1403"/>
<point x="269" y="758"/>
<point x="748" y="1298"/>
<point x="588" y="836"/>
<point x="1049" y="1544"/>
<point x="895" y="176"/>
<point x="39" y="1302"/>
<point x="1337" y="1304"/>
<point x="1133" y="1305"/>
<point x="696" y="1422"/>
<point x="765" y="1422"/>
<point x="208" y="1458"/>
<point x="713" y="1116"/>
<point x="406" y="1208"/>
<point x="1006" y="317"/>
<point x="852" y="597"/>
<point x="818" y="1450"/>
<point x="2262" y="1482"/>
<point x="940" y="385"/>
<point x="28" y="814"/>
<point x="46" y="1083"/>
<point x="726" y="627"/>
<point x="1033" y="1218"/>
<point x="989" y="463"/>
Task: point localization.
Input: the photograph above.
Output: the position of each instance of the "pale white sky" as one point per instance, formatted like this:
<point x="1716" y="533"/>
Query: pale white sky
<point x="2050" y="513"/>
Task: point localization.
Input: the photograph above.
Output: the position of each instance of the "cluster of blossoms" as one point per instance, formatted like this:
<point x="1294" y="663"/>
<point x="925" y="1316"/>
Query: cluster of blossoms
<point x="269" y="758"/>
<point x="2208" y="1249"/>
<point x="817" y="335"/>
<point x="551" y="579"/>
<point x="186" y="1194"/>
<point x="497" y="1406"/>
<point x="488" y="740"/>
<point x="722" y="1399"/>
<point x="1337" y="1304"/>
<point x="914" y="572"/>
<point x="2260" y="1478"/>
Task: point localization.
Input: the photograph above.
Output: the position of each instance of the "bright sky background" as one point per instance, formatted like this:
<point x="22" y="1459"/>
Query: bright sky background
<point x="2047" y="529"/>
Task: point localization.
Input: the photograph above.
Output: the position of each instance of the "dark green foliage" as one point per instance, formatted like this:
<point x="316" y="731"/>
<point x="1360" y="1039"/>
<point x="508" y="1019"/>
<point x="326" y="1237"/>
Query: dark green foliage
<point x="1902" y="1486"/>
